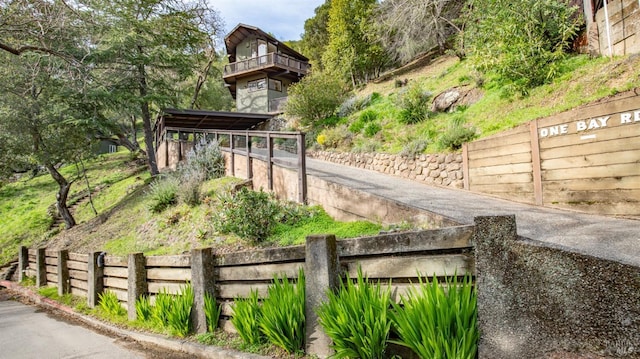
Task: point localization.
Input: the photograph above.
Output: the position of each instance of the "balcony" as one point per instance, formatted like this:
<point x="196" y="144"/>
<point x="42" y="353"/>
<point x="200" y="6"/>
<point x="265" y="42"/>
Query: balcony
<point x="272" y="61"/>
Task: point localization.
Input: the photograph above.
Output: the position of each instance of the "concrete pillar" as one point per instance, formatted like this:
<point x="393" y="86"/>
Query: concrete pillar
<point x="491" y="236"/>
<point x="321" y="275"/>
<point x="23" y="263"/>
<point x="95" y="274"/>
<point x="41" y="268"/>
<point x="202" y="281"/>
<point x="137" y="282"/>
<point x="64" y="286"/>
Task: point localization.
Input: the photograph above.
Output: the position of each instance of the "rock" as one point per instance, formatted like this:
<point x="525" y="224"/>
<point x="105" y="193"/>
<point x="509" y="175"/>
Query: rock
<point x="445" y="100"/>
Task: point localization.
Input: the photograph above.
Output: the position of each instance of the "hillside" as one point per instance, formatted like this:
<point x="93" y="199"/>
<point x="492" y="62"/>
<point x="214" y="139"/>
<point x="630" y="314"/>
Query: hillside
<point x="583" y="80"/>
<point x="123" y="223"/>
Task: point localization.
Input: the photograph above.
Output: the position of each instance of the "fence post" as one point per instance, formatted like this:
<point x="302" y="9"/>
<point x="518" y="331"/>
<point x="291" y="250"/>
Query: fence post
<point x="23" y="263"/>
<point x="95" y="274"/>
<point x="136" y="282"/>
<point x="321" y="275"/>
<point x="63" y="272"/>
<point x="202" y="282"/>
<point x="41" y="268"/>
<point x="302" y="168"/>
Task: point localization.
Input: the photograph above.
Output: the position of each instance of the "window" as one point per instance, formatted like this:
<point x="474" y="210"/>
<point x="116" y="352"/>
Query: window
<point x="113" y="148"/>
<point x="275" y="85"/>
<point x="257" y="85"/>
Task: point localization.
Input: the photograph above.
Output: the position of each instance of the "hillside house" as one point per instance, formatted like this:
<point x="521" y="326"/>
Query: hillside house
<point x="260" y="70"/>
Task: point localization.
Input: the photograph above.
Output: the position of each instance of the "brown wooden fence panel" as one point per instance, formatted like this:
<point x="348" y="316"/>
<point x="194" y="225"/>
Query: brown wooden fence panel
<point x="502" y="166"/>
<point x="594" y="166"/>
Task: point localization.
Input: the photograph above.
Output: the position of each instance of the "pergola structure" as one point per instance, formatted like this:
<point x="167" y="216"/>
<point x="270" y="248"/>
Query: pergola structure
<point x="188" y="126"/>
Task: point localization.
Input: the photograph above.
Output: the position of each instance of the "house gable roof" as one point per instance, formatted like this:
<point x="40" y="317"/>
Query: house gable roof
<point x="242" y="31"/>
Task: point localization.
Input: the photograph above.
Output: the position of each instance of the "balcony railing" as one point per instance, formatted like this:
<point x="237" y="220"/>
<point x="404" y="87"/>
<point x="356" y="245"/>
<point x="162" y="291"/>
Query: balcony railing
<point x="265" y="61"/>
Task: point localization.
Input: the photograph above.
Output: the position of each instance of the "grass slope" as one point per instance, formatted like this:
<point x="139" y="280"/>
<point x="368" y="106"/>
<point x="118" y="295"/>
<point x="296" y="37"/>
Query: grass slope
<point x="583" y="80"/>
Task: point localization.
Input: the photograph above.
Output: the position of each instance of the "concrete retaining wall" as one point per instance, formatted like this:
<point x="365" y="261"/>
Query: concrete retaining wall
<point x="534" y="299"/>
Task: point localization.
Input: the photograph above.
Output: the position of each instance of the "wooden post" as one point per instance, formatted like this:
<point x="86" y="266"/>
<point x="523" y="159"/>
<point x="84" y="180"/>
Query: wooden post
<point x="232" y="161"/>
<point x="23" y="263"/>
<point x="248" y="149"/>
<point x="321" y="275"/>
<point x="41" y="268"/>
<point x="136" y="282"/>
<point x="465" y="165"/>
<point x="64" y="286"/>
<point x="95" y="274"/>
<point x="535" y="162"/>
<point x="302" y="169"/>
<point x="269" y="161"/>
<point x="608" y="26"/>
<point x="202" y="282"/>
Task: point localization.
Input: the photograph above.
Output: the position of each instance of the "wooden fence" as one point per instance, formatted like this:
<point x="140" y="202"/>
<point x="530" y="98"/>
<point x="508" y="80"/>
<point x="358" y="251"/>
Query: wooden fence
<point x="394" y="258"/>
<point x="586" y="159"/>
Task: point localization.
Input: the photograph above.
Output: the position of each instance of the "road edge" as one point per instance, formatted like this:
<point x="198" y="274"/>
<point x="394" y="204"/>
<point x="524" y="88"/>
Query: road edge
<point x="184" y="346"/>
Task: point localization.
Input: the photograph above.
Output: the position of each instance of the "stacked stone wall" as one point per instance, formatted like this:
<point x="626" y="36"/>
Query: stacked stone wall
<point x="443" y="169"/>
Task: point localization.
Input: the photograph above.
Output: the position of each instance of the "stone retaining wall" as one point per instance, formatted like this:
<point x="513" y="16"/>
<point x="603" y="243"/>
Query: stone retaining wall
<point x="444" y="169"/>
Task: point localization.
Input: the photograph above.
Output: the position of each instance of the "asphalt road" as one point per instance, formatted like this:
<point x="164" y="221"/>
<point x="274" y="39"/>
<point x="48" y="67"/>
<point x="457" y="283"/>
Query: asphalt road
<point x="29" y="332"/>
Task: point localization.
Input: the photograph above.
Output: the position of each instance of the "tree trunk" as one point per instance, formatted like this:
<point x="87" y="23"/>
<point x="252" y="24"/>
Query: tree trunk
<point x="61" y="197"/>
<point x="146" y="119"/>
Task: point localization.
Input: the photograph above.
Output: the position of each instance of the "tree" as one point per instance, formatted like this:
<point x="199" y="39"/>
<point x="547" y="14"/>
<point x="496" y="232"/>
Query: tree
<point x="37" y="116"/>
<point x="410" y="27"/>
<point x="353" y="52"/>
<point x="43" y="83"/>
<point x="146" y="49"/>
<point x="521" y="41"/>
<point x="316" y="36"/>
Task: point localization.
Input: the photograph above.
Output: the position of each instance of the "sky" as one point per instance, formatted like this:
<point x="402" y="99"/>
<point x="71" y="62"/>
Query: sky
<point x="282" y="18"/>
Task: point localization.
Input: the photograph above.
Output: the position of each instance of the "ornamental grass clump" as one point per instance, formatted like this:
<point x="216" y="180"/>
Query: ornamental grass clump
<point x="356" y="319"/>
<point x="246" y="318"/>
<point x="144" y="309"/>
<point x="283" y="319"/>
<point x="437" y="322"/>
<point x="162" y="308"/>
<point x="212" y="312"/>
<point x="110" y="304"/>
<point x="179" y="317"/>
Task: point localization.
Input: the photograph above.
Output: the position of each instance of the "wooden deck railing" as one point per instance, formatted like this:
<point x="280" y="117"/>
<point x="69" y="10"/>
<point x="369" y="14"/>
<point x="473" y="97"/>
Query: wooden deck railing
<point x="265" y="61"/>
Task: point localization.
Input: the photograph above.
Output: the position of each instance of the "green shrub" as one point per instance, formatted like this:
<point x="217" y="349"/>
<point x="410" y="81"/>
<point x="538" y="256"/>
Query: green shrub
<point x="246" y="318"/>
<point x="356" y="319"/>
<point x="354" y="104"/>
<point x="189" y="191"/>
<point x="414" y="148"/>
<point x="521" y="41"/>
<point x="368" y="116"/>
<point x="414" y="104"/>
<point x="336" y="137"/>
<point x="371" y="129"/>
<point x="179" y="317"/>
<point x="204" y="162"/>
<point x="144" y="309"/>
<point x="162" y="308"/>
<point x="436" y="322"/>
<point x="282" y="321"/>
<point x="162" y="193"/>
<point x="110" y="304"/>
<point x="356" y="126"/>
<point x="248" y="214"/>
<point x="315" y="98"/>
<point x="456" y="134"/>
<point x="212" y="312"/>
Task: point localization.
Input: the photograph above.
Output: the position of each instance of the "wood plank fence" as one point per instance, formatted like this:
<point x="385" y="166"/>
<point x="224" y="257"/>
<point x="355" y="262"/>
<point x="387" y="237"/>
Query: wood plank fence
<point x="586" y="159"/>
<point x="394" y="258"/>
